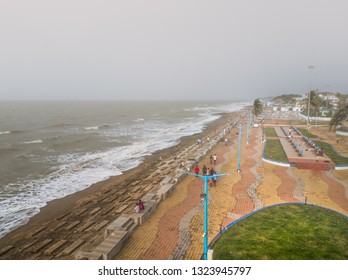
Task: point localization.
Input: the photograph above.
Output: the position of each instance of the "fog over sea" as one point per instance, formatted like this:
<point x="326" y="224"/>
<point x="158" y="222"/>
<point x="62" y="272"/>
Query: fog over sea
<point x="50" y="149"/>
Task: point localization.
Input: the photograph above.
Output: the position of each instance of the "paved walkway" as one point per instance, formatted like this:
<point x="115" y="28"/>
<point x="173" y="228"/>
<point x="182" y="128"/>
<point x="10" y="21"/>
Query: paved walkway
<point x="175" y="230"/>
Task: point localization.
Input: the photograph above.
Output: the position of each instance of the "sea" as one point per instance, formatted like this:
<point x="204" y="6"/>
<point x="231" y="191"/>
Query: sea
<point x="50" y="149"/>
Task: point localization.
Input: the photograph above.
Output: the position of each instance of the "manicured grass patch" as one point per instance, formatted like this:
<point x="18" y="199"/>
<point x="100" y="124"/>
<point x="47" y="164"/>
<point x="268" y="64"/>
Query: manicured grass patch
<point x="307" y="133"/>
<point x="270" y="132"/>
<point x="286" y="232"/>
<point x="337" y="159"/>
<point x="274" y="150"/>
<point x="285" y="122"/>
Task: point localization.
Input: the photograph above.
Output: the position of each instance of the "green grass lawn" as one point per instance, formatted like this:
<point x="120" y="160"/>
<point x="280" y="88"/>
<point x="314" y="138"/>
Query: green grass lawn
<point x="274" y="150"/>
<point x="305" y="132"/>
<point x="286" y="232"/>
<point x="337" y="159"/>
<point x="270" y="132"/>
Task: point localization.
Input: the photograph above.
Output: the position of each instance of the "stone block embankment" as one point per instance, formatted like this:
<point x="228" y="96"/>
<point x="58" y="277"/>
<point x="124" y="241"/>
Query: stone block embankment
<point x="117" y="232"/>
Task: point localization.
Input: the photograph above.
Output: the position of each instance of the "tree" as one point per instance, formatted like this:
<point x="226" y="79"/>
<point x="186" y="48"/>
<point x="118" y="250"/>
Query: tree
<point x="315" y="100"/>
<point x="340" y="116"/>
<point x="257" y="110"/>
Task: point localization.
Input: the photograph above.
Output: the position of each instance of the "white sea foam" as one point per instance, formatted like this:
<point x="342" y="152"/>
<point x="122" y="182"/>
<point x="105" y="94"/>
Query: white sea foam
<point x="96" y="127"/>
<point x="139" y="120"/>
<point x="4" y="132"/>
<point x="31" y="196"/>
<point x="39" y="141"/>
<point x="91" y="128"/>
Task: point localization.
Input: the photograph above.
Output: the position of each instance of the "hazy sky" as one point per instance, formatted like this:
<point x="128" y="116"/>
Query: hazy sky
<point x="166" y="49"/>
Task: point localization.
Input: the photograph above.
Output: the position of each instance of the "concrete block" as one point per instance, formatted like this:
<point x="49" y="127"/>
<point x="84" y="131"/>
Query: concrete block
<point x="149" y="196"/>
<point x="165" y="190"/>
<point x="100" y="225"/>
<point x="108" y="249"/>
<point x="38" y="230"/>
<point x="95" y="210"/>
<point x="121" y="208"/>
<point x="85" y="226"/>
<point x="54" y="247"/>
<point x="143" y="215"/>
<point x="166" y="180"/>
<point x="6" y="249"/>
<point x="123" y="223"/>
<point x="72" y="225"/>
<point x="81" y="255"/>
<point x="179" y="176"/>
<point x="72" y="247"/>
<point x="36" y="248"/>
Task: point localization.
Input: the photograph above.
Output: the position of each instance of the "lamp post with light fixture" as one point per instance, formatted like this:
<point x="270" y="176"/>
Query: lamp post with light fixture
<point x="239" y="144"/>
<point x="309" y="94"/>
<point x="204" y="197"/>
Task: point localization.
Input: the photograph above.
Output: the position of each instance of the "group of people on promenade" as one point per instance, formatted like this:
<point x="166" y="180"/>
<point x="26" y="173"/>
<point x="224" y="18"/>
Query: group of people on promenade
<point x="206" y="171"/>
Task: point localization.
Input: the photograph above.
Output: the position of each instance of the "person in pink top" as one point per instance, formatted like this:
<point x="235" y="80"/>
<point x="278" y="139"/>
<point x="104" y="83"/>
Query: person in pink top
<point x="196" y="170"/>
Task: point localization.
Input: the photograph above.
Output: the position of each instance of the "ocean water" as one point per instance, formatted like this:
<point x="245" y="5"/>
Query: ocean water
<point x="52" y="149"/>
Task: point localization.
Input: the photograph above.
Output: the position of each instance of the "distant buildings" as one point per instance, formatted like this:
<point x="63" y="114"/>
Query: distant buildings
<point x="294" y="104"/>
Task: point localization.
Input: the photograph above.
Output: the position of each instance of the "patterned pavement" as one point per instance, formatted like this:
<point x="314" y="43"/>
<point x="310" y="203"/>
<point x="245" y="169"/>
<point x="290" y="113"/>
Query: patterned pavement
<point x="175" y="230"/>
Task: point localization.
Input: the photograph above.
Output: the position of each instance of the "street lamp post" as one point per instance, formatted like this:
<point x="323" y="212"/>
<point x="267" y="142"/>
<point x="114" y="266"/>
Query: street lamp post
<point x="309" y="94"/>
<point x="327" y="95"/>
<point x="239" y="144"/>
<point x="309" y="102"/>
<point x="248" y="127"/>
<point x="204" y="196"/>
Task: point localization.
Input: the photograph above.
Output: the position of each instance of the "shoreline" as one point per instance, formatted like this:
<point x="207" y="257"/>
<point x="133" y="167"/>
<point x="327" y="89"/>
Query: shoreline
<point x="59" y="208"/>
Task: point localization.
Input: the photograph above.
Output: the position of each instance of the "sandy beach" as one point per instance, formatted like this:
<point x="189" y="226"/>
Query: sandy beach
<point x="174" y="230"/>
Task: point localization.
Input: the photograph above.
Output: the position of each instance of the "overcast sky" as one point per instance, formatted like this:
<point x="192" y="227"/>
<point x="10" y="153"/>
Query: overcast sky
<point x="171" y="49"/>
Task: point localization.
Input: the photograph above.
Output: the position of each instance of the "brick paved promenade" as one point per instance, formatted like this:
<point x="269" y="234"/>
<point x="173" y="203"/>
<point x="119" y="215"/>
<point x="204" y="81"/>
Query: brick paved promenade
<point x="175" y="230"/>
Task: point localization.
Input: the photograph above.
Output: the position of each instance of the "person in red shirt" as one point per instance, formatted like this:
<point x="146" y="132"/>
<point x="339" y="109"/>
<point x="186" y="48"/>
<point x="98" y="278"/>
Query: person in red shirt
<point x="196" y="170"/>
<point x="141" y="205"/>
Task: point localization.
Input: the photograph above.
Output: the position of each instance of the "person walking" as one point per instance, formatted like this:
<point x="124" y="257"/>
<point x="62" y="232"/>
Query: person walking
<point x="214" y="158"/>
<point x="211" y="171"/>
<point x="196" y="169"/>
<point x="204" y="170"/>
<point x="214" y="179"/>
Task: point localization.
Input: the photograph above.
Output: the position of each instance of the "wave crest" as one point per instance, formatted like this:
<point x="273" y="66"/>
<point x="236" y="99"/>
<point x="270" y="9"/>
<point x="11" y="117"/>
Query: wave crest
<point x="38" y="141"/>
